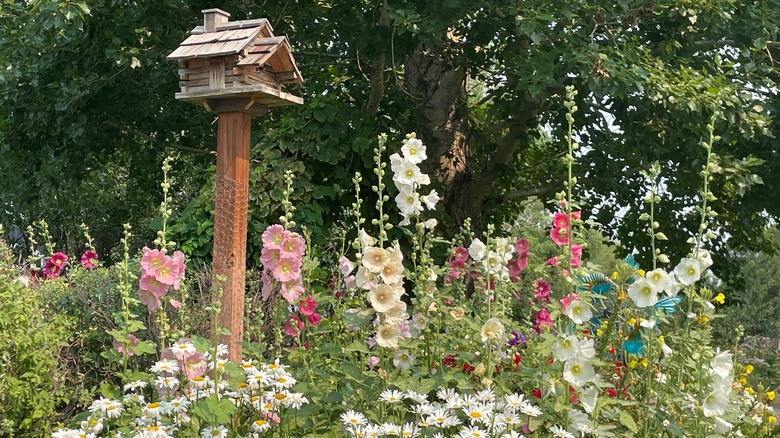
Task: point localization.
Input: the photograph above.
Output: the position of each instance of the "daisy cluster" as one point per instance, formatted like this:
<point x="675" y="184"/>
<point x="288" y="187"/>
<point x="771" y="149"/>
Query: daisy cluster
<point x="408" y="178"/>
<point x="162" y="406"/>
<point x="483" y="414"/>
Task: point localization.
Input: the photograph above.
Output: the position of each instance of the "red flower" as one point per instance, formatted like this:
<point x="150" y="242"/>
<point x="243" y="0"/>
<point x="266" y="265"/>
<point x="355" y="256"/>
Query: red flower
<point x="314" y="318"/>
<point x="468" y="368"/>
<point x="611" y="392"/>
<point x="307" y="306"/>
<point x="450" y="361"/>
<point x="537" y="393"/>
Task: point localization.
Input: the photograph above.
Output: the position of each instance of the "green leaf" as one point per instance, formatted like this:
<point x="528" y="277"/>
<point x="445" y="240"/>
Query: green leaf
<point x="627" y="420"/>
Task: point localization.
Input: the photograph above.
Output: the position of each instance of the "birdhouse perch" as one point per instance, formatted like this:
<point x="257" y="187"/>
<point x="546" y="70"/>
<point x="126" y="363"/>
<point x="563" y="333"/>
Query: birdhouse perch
<point x="235" y="69"/>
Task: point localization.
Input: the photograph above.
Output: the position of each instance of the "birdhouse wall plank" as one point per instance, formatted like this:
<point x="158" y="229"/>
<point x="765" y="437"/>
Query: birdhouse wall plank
<point x="217" y="75"/>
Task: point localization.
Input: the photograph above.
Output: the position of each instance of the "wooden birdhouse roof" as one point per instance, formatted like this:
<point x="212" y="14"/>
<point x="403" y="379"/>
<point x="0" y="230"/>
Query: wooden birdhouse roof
<point x="253" y="61"/>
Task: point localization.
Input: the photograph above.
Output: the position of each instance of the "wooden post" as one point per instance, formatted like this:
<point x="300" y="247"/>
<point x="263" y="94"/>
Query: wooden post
<point x="231" y="191"/>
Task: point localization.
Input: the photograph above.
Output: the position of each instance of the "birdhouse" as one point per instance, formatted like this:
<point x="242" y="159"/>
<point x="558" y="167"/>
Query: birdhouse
<point x="238" y="63"/>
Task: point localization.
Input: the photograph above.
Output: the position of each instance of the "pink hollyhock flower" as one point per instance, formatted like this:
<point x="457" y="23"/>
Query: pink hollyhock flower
<point x="292" y="290"/>
<point x="178" y="265"/>
<point x="150" y="300"/>
<point x="576" y="250"/>
<point x="373" y="361"/>
<point x="293" y="246"/>
<point x="288" y="269"/>
<point x="151" y="284"/>
<point x="267" y="285"/>
<point x="559" y="235"/>
<point x="120" y="346"/>
<point x="293" y="325"/>
<point x="88" y="259"/>
<point x="522" y="246"/>
<point x="349" y="282"/>
<point x="273" y="236"/>
<point x="176" y="304"/>
<point x="576" y="215"/>
<point x="193" y="365"/>
<point x="516" y="266"/>
<point x="567" y="299"/>
<point x="552" y="261"/>
<point x="574" y="262"/>
<point x="271" y="416"/>
<point x="560" y="220"/>
<point x="403" y="327"/>
<point x="307" y="306"/>
<point x="270" y="258"/>
<point x="54" y="265"/>
<point x="345" y="266"/>
<point x="314" y="318"/>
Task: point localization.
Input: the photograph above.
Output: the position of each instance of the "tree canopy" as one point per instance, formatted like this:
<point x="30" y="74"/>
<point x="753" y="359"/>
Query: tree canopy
<point x="89" y="109"/>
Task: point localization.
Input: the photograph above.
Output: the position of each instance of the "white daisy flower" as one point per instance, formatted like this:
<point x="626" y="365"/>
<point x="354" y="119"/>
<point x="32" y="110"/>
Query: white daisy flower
<point x="391" y="396"/>
<point x="352" y="418"/>
<point x="559" y="432"/>
<point x="214" y="432"/>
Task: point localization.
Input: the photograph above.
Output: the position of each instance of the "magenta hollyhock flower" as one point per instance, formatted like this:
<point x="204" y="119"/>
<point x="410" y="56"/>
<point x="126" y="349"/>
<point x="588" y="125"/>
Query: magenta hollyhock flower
<point x="273" y="236"/>
<point x="560" y="235"/>
<point x="293" y="325"/>
<point x="270" y="258"/>
<point x="307" y="306"/>
<point x="88" y="259"/>
<point x="151" y="284"/>
<point x="292" y="290"/>
<point x="288" y="269"/>
<point x="54" y="265"/>
<point x="574" y="262"/>
<point x="516" y="266"/>
<point x="552" y="261"/>
<point x="543" y="318"/>
<point x="150" y="300"/>
<point x="541" y="289"/>
<point x="314" y="318"/>
<point x="293" y="246"/>
<point x="120" y="346"/>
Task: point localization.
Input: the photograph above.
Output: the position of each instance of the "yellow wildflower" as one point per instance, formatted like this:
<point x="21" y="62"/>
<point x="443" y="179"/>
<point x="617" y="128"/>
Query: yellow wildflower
<point x="632" y="363"/>
<point x="770" y="395"/>
<point x="748" y="369"/>
<point x="640" y="272"/>
<point x="702" y="319"/>
<point x="644" y="363"/>
<point x="742" y="380"/>
<point x="599" y="332"/>
<point x="614" y="275"/>
<point x="720" y="298"/>
<point x="772" y="419"/>
<point x="631" y="321"/>
<point x="749" y="390"/>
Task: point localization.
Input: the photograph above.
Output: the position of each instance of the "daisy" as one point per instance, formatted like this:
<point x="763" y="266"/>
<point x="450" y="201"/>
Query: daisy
<point x="514" y="400"/>
<point x="165" y="366"/>
<point x="473" y="432"/>
<point x="559" y="432"/>
<point x="530" y="410"/>
<point x="180" y="348"/>
<point x="260" y="426"/>
<point x="352" y="418"/>
<point x="416" y="397"/>
<point x="391" y="395"/>
<point x="135" y="384"/>
<point x="391" y="429"/>
<point x="214" y="432"/>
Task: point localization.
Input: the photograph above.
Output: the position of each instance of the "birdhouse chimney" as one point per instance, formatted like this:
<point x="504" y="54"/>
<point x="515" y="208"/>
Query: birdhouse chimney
<point x="213" y="18"/>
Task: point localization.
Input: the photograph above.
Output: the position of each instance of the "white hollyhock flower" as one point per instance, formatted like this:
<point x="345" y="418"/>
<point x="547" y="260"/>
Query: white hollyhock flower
<point x="578" y="311"/>
<point x="643" y="293"/>
<point x="578" y="372"/>
<point x="566" y="348"/>
<point x="578" y="422"/>
<point x="365" y="279"/>
<point x="414" y="150"/>
<point x="715" y="403"/>
<point x="408" y="201"/>
<point x="402" y="359"/>
<point x="705" y="258"/>
<point x="408" y="174"/>
<point x="374" y="259"/>
<point x="384" y="297"/>
<point x="392" y="272"/>
<point x="492" y="329"/>
<point x="493" y="263"/>
<point x="387" y="335"/>
<point x="722" y="364"/>
<point x="660" y="279"/>
<point x="477" y="249"/>
<point x="395" y="163"/>
<point x="588" y="398"/>
<point x="721" y="425"/>
<point x="430" y="200"/>
<point x="688" y="271"/>
<point x="587" y="350"/>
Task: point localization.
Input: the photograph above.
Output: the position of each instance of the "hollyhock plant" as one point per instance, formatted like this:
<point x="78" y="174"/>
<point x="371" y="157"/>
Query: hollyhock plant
<point x="307" y="306"/>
